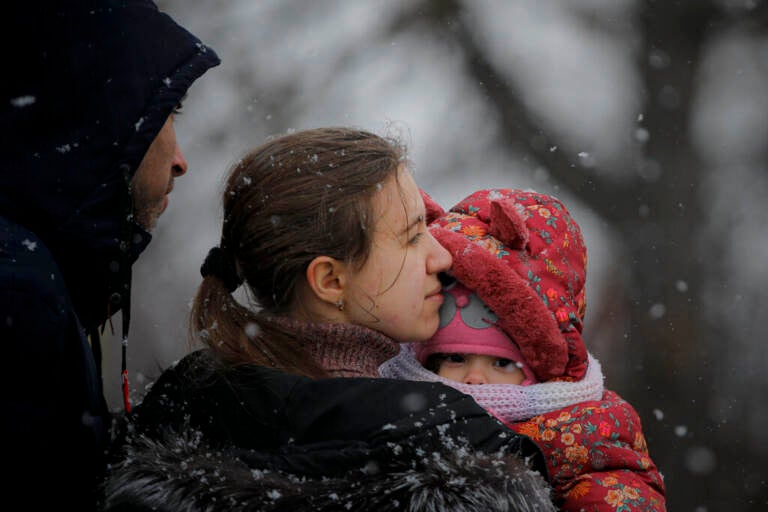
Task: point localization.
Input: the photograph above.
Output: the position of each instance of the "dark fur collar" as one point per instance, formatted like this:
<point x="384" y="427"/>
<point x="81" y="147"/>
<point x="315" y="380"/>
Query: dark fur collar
<point x="181" y="473"/>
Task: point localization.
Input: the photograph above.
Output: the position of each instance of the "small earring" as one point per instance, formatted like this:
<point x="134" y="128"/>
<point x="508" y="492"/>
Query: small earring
<point x="340" y="304"/>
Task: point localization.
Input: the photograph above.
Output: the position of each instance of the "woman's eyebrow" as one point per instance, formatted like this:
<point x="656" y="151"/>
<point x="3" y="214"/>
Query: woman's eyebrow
<point x="415" y="222"/>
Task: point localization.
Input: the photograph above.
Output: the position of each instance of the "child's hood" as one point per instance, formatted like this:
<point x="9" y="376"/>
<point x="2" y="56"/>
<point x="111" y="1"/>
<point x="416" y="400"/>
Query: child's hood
<point x="524" y="256"/>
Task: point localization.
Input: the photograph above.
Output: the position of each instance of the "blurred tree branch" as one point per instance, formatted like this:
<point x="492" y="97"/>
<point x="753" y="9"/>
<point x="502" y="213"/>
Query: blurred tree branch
<point x="657" y="211"/>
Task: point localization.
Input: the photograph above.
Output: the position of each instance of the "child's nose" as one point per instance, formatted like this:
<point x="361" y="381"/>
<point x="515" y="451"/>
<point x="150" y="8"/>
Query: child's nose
<point x="475" y="376"/>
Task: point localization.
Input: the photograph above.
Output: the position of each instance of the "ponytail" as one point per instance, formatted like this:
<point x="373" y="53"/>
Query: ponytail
<point x="238" y="335"/>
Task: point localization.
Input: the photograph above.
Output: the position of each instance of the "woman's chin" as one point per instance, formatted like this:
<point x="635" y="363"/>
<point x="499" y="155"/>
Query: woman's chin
<point x="427" y="332"/>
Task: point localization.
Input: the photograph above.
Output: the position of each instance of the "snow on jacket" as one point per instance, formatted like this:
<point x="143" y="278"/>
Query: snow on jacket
<point x="88" y="87"/>
<point x="307" y="442"/>
<point x="180" y="473"/>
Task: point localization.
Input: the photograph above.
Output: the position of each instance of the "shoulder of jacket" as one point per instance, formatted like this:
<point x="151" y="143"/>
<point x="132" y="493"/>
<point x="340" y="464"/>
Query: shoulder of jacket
<point x="30" y="279"/>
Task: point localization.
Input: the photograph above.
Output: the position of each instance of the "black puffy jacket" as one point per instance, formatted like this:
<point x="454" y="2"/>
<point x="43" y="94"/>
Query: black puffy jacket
<point x="87" y="87"/>
<point x="212" y="437"/>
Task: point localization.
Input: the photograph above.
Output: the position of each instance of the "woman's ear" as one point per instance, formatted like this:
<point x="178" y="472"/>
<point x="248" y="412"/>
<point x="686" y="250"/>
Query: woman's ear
<point x="326" y="279"/>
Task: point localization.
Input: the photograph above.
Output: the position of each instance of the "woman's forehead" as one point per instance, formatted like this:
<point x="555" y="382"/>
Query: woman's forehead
<point x="398" y="198"/>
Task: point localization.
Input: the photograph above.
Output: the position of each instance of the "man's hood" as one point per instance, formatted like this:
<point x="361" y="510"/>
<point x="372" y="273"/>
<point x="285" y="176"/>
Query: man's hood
<point x="90" y="85"/>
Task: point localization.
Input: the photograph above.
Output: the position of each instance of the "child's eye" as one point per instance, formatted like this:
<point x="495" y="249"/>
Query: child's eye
<point x="453" y="358"/>
<point x="506" y="364"/>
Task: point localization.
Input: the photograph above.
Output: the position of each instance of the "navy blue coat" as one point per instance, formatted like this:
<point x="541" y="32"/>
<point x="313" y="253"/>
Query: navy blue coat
<point x="88" y="86"/>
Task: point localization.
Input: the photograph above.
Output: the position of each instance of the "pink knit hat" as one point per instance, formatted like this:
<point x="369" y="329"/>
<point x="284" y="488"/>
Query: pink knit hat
<point x="467" y="326"/>
<point x="524" y="257"/>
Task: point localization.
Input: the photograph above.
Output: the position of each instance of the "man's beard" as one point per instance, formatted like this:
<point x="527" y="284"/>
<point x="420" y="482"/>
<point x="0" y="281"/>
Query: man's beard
<point x="146" y="212"/>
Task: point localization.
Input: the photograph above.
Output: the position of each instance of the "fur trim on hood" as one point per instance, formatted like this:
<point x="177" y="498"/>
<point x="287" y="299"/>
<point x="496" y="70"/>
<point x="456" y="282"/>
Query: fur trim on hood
<point x="183" y="474"/>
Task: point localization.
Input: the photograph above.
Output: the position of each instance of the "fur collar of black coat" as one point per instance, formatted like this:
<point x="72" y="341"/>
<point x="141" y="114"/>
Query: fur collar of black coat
<point x="181" y="473"/>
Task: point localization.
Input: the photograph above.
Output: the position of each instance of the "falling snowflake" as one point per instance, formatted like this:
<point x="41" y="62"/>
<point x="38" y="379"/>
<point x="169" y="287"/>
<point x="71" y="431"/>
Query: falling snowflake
<point x="700" y="460"/>
<point x="252" y="330"/>
<point x="23" y="101"/>
<point x="657" y="311"/>
<point x="413" y="402"/>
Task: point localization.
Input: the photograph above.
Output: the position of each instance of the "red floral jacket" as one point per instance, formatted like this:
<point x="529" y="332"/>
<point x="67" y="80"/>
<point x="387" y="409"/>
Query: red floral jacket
<point x="597" y="457"/>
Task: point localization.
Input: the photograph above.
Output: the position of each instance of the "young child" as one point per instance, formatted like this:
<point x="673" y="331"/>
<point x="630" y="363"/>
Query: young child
<point x="512" y="321"/>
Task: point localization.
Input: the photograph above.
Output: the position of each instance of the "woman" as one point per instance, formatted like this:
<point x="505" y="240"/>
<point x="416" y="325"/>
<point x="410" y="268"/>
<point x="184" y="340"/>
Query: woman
<point x="326" y="228"/>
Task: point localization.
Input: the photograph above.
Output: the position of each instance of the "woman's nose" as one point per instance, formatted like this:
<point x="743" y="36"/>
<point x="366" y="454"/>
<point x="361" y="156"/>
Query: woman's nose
<point x="440" y="259"/>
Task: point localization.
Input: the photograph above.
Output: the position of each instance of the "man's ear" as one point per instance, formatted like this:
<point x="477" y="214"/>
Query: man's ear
<point x="326" y="278"/>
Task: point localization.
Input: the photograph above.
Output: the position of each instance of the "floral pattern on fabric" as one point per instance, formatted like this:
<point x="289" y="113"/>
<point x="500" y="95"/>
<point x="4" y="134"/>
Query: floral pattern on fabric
<point x="523" y="255"/>
<point x="562" y="273"/>
<point x="597" y="457"/>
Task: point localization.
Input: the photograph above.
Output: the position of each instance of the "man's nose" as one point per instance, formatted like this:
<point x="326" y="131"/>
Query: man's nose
<point x="179" y="164"/>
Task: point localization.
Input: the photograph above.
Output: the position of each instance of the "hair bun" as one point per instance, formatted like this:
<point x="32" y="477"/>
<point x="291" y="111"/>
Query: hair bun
<point x="221" y="264"/>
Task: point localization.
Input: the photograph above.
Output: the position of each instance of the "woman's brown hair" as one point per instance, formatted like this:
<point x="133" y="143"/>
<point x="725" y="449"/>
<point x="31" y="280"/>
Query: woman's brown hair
<point x="294" y="198"/>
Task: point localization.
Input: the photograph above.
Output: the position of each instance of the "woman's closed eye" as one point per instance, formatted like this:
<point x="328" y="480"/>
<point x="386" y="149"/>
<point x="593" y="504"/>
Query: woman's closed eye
<point x="415" y="239"/>
<point x="419" y="225"/>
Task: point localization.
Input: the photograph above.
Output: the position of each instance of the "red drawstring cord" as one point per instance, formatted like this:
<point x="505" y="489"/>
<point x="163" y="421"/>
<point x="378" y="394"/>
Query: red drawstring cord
<point x="123" y="370"/>
<point x="124" y="375"/>
<point x="126" y="400"/>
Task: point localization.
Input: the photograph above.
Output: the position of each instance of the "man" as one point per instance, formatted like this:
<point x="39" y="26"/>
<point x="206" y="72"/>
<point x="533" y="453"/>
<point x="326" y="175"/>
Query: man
<point x="88" y="156"/>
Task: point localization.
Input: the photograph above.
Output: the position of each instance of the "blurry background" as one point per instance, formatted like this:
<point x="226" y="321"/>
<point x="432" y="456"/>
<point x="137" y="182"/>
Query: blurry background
<point x="649" y="119"/>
